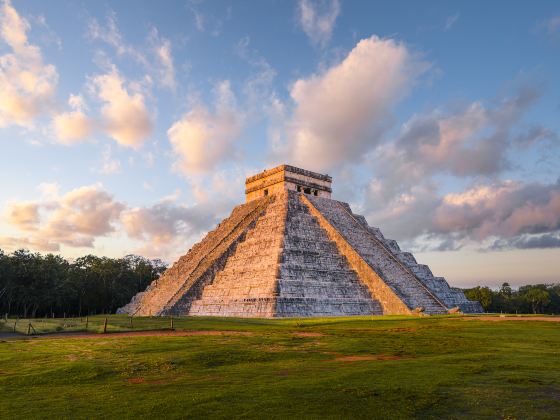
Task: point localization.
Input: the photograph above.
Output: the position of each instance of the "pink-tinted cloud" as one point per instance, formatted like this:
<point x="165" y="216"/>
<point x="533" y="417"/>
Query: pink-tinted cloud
<point x="318" y="18"/>
<point x="504" y="211"/>
<point x="202" y="139"/>
<point x="343" y="112"/>
<point x="27" y="84"/>
<point x="75" y="219"/>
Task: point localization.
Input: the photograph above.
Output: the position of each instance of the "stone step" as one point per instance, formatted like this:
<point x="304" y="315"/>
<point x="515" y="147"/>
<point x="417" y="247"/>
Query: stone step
<point x="244" y="308"/>
<point x="251" y="290"/>
<point x="317" y="289"/>
<point x="298" y="307"/>
<point x="303" y="243"/>
<point x="313" y="260"/>
<point x="326" y="276"/>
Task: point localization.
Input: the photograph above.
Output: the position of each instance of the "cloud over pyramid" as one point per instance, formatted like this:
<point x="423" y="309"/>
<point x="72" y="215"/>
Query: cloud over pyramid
<point x="292" y="251"/>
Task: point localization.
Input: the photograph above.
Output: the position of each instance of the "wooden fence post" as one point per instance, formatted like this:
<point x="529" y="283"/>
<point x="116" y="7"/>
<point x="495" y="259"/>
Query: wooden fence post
<point x="171" y="321"/>
<point x="105" y="326"/>
<point x="131" y="323"/>
<point x="29" y="328"/>
<point x="15" y="323"/>
<point x="87" y="321"/>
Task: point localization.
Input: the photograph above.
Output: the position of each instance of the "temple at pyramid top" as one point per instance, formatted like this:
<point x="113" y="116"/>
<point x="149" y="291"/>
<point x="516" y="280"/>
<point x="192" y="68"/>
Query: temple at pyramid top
<point x="292" y="251"/>
<point x="286" y="177"/>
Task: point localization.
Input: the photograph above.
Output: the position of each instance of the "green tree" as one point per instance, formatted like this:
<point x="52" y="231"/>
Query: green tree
<point x="481" y="294"/>
<point x="538" y="298"/>
<point x="506" y="290"/>
<point x="34" y="285"/>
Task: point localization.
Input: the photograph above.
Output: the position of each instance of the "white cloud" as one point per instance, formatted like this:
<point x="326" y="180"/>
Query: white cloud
<point x="539" y="241"/>
<point x="505" y="209"/>
<point x="167" y="229"/>
<point x="27" y="85"/>
<point x="470" y="141"/>
<point x="49" y="190"/>
<point x="79" y="217"/>
<point x="207" y="22"/>
<point x="40" y="244"/>
<point x="74" y="126"/>
<point x="553" y="25"/>
<point x="156" y="56"/>
<point x="109" y="165"/>
<point x="450" y="21"/>
<point x="317" y="19"/>
<point x="343" y="112"/>
<point x="504" y="212"/>
<point x="258" y="87"/>
<point x="164" y="222"/>
<point x="75" y="219"/>
<point x="165" y="69"/>
<point x="125" y="116"/>
<point x="199" y="20"/>
<point x="23" y="215"/>
<point x="111" y="35"/>
<point x="201" y="138"/>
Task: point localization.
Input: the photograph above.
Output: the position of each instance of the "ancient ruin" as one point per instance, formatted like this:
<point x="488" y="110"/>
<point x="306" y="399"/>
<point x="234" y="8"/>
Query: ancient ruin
<point x="292" y="251"/>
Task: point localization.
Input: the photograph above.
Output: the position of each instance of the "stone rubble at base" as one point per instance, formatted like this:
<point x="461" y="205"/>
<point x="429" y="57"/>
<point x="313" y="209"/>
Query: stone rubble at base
<point x="296" y="254"/>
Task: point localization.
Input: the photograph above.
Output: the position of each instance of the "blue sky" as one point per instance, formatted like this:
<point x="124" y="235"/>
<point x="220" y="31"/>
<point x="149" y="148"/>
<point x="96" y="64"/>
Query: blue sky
<point x="129" y="127"/>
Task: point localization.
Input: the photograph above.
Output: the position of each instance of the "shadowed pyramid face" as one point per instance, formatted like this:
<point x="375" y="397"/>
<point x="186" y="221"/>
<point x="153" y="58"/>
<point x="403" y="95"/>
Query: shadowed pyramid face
<point x="291" y="251"/>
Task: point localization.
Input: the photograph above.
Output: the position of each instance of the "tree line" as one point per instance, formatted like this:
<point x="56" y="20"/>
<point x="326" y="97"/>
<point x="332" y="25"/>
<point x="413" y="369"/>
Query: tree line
<point x="35" y="285"/>
<point x="535" y="299"/>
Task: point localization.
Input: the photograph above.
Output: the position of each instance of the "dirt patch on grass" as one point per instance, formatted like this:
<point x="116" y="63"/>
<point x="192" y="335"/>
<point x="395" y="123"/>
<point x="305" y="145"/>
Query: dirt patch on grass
<point x="273" y="348"/>
<point x="141" y="380"/>
<point x="153" y="333"/>
<point x="512" y="318"/>
<point x="308" y="334"/>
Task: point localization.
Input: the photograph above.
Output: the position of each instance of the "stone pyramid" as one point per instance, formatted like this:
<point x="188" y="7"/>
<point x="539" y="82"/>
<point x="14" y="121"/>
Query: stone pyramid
<point x="292" y="251"/>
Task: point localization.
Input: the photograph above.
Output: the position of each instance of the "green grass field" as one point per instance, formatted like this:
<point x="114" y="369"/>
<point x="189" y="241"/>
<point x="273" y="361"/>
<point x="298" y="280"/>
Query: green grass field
<point x="382" y="367"/>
